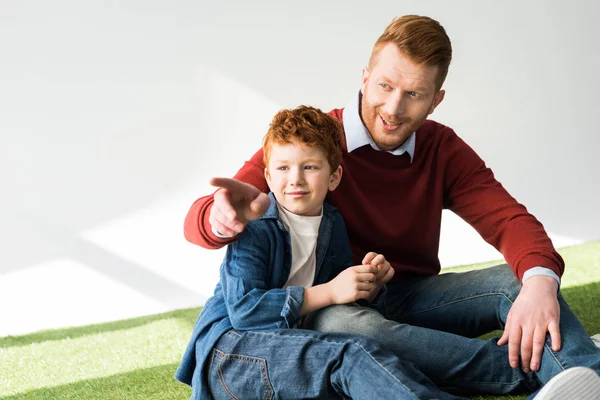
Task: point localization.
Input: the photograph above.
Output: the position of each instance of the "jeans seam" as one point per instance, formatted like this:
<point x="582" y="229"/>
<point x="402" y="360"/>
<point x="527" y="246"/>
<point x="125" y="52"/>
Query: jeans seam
<point x="363" y="349"/>
<point x="458" y="301"/>
<point x="549" y="349"/>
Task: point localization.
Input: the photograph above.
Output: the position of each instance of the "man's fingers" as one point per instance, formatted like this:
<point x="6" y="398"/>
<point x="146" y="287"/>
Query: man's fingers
<point x="514" y="344"/>
<point x="506" y="334"/>
<point x="539" y="339"/>
<point x="526" y="350"/>
<point x="555" y="335"/>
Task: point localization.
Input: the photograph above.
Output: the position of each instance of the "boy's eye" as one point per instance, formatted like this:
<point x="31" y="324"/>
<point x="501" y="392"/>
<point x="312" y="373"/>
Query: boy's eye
<point x="311" y="167"/>
<point x="283" y="168"/>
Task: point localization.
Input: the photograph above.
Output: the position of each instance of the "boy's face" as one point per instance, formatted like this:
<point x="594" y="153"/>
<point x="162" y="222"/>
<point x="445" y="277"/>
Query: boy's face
<point x="300" y="176"/>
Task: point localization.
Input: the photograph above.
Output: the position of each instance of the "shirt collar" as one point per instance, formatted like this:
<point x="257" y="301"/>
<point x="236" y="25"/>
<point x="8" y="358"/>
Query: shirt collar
<point x="357" y="134"/>
<point x="273" y="211"/>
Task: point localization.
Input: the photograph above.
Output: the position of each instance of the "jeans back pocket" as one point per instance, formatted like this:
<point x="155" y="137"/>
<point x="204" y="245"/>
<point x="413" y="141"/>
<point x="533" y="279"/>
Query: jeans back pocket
<point x="236" y="376"/>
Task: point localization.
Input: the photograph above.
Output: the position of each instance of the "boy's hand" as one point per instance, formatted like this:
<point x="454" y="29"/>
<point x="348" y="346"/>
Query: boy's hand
<point x="352" y="284"/>
<point x="235" y="204"/>
<point x="384" y="273"/>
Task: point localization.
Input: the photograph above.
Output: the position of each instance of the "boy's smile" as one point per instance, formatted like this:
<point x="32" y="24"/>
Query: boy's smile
<point x="300" y="177"/>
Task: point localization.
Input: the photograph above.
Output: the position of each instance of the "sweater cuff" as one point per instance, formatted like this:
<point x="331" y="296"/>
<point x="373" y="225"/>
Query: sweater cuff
<point x="536" y="260"/>
<point x="293" y="304"/>
<point x="540" y="271"/>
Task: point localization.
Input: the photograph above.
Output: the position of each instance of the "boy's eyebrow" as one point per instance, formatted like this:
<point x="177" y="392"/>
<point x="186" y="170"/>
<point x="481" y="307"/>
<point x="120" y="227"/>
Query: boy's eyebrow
<point x="310" y="160"/>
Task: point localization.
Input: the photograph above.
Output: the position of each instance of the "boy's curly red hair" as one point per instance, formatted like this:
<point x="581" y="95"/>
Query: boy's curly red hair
<point x="308" y="126"/>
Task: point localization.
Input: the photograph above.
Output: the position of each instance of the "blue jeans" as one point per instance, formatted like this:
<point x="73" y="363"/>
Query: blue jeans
<point x="297" y="363"/>
<point x="433" y="322"/>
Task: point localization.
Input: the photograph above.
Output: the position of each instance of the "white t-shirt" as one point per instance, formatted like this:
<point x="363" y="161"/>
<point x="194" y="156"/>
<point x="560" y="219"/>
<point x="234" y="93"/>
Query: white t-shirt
<point x="303" y="237"/>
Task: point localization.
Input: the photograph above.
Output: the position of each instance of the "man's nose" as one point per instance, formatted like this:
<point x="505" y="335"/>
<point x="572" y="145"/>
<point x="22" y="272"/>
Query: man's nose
<point x="394" y="106"/>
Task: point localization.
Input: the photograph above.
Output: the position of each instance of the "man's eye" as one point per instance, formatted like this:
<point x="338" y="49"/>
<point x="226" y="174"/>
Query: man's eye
<point x="385" y="86"/>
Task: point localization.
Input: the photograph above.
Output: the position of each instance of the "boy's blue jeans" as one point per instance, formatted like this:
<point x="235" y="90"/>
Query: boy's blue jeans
<point x="438" y="321"/>
<point x="297" y="363"/>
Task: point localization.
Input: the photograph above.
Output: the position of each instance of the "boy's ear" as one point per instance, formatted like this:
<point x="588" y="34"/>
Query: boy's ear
<point x="268" y="178"/>
<point x="335" y="178"/>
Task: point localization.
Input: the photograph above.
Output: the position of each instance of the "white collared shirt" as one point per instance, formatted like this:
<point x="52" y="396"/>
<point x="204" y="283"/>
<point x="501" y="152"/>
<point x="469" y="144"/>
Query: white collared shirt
<point x="357" y="134"/>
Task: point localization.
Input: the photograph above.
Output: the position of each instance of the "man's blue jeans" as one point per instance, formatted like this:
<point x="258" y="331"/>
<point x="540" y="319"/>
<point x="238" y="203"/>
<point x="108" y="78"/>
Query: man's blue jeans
<point x="434" y="322"/>
<point x="297" y="363"/>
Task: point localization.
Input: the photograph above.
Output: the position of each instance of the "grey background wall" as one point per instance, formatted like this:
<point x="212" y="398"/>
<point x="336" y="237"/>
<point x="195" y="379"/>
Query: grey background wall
<point x="114" y="115"/>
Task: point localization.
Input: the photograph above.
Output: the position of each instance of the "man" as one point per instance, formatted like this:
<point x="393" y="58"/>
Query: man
<point x="401" y="171"/>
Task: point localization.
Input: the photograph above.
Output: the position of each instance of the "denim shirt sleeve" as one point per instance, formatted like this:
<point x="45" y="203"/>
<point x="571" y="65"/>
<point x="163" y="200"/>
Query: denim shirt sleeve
<point x="252" y="300"/>
<point x="340" y="245"/>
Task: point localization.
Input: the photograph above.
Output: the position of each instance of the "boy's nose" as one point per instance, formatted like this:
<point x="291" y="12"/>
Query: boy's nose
<point x="296" y="178"/>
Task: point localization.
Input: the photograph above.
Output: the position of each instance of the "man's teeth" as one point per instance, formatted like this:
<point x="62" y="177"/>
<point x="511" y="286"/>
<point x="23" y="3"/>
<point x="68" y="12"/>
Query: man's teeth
<point x="390" y="123"/>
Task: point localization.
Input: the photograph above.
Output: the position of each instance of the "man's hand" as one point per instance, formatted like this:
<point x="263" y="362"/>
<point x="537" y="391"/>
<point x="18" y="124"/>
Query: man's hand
<point x="235" y="204"/>
<point x="352" y="284"/>
<point x="534" y="312"/>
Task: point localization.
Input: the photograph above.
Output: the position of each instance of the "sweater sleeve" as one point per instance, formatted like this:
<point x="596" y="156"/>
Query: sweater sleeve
<point x="196" y="227"/>
<point x="251" y="303"/>
<point x="473" y="193"/>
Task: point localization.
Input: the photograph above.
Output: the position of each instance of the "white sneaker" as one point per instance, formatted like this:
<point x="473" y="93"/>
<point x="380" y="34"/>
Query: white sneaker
<point x="596" y="339"/>
<point x="577" y="383"/>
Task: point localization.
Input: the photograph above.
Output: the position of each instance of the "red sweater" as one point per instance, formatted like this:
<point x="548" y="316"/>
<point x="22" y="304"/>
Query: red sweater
<point x="394" y="207"/>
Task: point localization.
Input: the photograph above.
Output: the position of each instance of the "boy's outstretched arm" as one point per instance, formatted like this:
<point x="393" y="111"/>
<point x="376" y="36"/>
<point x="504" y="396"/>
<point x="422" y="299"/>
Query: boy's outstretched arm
<point x="197" y="225"/>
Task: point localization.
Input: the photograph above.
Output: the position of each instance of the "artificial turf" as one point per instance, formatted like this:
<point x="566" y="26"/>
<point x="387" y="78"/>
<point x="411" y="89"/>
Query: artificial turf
<point x="136" y="358"/>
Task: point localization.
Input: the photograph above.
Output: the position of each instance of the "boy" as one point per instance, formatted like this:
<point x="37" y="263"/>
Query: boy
<point x="295" y="260"/>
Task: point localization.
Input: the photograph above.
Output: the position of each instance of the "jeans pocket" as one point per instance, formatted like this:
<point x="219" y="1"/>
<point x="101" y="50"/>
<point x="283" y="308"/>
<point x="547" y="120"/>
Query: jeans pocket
<point x="236" y="376"/>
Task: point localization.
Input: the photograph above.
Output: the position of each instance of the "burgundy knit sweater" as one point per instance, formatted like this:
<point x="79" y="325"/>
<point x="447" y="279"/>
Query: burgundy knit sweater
<point x="394" y="206"/>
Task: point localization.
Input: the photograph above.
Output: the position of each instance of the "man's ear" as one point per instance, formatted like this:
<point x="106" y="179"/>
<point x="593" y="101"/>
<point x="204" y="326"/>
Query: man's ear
<point x="365" y="78"/>
<point x="335" y="178"/>
<point x="437" y="99"/>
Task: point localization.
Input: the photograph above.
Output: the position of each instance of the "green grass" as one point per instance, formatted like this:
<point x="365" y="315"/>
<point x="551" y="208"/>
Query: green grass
<point x="136" y="358"/>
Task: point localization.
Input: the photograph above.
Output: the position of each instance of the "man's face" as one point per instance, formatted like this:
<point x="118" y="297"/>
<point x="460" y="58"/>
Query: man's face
<point x="299" y="177"/>
<point x="398" y="95"/>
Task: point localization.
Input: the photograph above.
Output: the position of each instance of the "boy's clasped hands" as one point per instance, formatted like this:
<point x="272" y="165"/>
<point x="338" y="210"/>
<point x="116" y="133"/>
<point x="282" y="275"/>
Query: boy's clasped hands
<point x="361" y="281"/>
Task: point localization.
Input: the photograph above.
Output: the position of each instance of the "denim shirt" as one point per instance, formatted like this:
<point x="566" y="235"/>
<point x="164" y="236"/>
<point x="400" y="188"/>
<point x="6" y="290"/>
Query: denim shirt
<point x="250" y="294"/>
